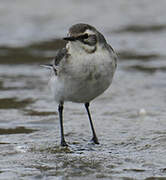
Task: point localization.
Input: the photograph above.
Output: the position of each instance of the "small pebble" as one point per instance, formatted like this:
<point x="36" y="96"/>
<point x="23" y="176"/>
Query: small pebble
<point x="142" y="112"/>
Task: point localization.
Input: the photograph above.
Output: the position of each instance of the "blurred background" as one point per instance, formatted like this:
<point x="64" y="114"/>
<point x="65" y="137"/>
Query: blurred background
<point x="129" y="117"/>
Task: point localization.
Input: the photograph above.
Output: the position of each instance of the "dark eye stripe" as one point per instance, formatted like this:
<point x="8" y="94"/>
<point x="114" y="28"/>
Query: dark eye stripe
<point x="91" y="41"/>
<point x="85" y="36"/>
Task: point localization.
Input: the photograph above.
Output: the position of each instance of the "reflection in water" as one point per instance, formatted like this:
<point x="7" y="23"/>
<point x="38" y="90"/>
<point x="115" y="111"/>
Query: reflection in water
<point x="146" y="68"/>
<point x="35" y="53"/>
<point x="17" y="130"/>
<point x="130" y="55"/>
<point x="142" y="28"/>
<point x="10" y="103"/>
<point x="38" y="113"/>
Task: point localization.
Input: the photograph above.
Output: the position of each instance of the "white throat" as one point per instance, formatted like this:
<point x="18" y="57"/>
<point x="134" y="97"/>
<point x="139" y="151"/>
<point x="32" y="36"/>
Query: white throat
<point x="80" y="48"/>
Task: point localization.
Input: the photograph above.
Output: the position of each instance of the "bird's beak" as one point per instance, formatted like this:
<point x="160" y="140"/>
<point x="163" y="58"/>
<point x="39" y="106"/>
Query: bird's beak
<point x="70" y="38"/>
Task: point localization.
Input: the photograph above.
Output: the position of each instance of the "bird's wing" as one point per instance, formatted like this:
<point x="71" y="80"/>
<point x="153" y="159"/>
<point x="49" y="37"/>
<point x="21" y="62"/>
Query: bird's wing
<point x="113" y="54"/>
<point x="61" y="53"/>
<point x="59" y="56"/>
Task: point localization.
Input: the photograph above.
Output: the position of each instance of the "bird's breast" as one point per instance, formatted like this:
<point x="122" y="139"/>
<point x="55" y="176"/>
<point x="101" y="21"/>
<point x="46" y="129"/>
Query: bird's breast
<point x="85" y="77"/>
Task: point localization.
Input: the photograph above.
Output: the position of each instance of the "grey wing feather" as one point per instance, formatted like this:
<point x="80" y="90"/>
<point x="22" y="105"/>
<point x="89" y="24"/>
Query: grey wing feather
<point x="115" y="56"/>
<point x="56" y="60"/>
<point x="61" y="53"/>
<point x="59" y="56"/>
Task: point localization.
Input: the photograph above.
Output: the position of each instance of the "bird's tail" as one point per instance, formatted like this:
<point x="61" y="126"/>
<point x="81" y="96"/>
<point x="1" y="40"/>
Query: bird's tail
<point x="49" y="66"/>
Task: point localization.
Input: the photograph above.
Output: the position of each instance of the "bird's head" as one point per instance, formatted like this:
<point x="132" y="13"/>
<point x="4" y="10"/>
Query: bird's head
<point x="84" y="37"/>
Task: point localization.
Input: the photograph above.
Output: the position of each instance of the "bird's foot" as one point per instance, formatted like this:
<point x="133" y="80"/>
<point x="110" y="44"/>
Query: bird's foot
<point x="95" y="140"/>
<point x="64" y="144"/>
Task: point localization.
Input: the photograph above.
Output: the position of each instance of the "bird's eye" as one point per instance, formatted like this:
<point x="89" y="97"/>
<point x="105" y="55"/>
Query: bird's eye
<point x="85" y="36"/>
<point x="87" y="39"/>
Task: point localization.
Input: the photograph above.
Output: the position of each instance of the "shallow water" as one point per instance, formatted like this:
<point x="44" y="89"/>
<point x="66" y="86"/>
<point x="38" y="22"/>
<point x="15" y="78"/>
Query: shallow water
<point x="129" y="117"/>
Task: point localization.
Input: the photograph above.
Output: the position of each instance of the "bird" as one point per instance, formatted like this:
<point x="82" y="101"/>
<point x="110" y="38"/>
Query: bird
<point x="82" y="70"/>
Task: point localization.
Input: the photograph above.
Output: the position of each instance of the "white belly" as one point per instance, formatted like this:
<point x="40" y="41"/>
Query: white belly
<point x="82" y="88"/>
<point x="81" y="80"/>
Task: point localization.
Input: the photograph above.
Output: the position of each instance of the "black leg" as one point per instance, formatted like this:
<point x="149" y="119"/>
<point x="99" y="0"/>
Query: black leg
<point x="60" y="109"/>
<point x="94" y="138"/>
